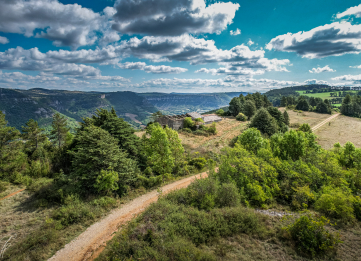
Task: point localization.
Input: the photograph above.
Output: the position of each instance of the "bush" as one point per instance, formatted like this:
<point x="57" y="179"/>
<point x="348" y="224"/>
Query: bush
<point x="227" y="196"/>
<point x="220" y="112"/>
<point x="336" y="203"/>
<point x="3" y="186"/>
<point x="305" y="127"/>
<point x="241" y="117"/>
<point x="202" y="193"/>
<point x="311" y="237"/>
<point x="199" y="163"/>
<point x="302" y="198"/>
<point x="264" y="122"/>
<point x="357" y="207"/>
<point x="189" y="123"/>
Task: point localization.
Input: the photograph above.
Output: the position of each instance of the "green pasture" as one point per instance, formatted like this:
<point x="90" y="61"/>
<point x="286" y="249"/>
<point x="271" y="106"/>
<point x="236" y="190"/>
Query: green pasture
<point x="323" y="95"/>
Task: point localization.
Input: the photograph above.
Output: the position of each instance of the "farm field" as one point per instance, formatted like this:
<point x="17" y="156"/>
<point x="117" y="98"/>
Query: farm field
<point x="298" y="118"/>
<point x="323" y="95"/>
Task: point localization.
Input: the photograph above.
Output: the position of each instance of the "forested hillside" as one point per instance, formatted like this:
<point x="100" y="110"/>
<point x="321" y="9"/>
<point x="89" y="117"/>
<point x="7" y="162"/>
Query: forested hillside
<point x="40" y="104"/>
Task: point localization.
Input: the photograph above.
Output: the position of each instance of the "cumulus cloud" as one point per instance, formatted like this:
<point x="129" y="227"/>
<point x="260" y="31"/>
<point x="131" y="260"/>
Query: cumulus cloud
<point x="172" y="18"/>
<point x="315" y="81"/>
<point x="355" y="79"/>
<point x="356" y="11"/>
<point x="322" y="69"/>
<point x="328" y="40"/>
<point x="237" y="32"/>
<point x="250" y="42"/>
<point x="3" y="40"/>
<point x="159" y="69"/>
<point x="65" y="25"/>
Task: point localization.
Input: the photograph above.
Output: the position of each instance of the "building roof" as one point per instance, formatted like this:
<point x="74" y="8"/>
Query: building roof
<point x="194" y="115"/>
<point x="211" y="118"/>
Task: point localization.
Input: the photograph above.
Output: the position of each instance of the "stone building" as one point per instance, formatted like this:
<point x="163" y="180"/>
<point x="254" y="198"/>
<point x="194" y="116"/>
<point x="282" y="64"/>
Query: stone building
<point x="176" y="122"/>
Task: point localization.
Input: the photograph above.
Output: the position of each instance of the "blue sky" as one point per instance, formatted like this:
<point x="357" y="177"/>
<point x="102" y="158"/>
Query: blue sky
<point x="178" y="46"/>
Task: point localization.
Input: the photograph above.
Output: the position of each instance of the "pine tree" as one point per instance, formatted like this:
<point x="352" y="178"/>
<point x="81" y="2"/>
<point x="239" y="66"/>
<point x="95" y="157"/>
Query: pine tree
<point x="95" y="151"/>
<point x="118" y="128"/>
<point x="235" y="106"/>
<point x="59" y="129"/>
<point x="33" y="133"/>
<point x="283" y="101"/>
<point x="303" y="105"/>
<point x="249" y="108"/>
<point x="286" y="118"/>
<point x="264" y="122"/>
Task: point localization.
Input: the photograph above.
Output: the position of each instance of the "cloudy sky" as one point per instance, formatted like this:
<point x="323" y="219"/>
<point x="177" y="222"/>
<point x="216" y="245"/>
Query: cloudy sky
<point x="178" y="45"/>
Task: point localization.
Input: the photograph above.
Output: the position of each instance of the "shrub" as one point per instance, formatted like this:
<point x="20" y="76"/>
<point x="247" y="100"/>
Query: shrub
<point x="189" y="123"/>
<point x="227" y="196"/>
<point x="311" y="237"/>
<point x="107" y="181"/>
<point x="241" y="117"/>
<point x="302" y="198"/>
<point x="336" y="203"/>
<point x="187" y="130"/>
<point x="305" y="127"/>
<point x="201" y="194"/>
<point x="357" y="207"/>
<point x="199" y="163"/>
<point x="220" y="112"/>
<point x="3" y="186"/>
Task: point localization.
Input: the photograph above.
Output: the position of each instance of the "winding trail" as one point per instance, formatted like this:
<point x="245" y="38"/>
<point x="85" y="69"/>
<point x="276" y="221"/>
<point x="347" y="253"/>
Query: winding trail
<point x="89" y="244"/>
<point x="325" y="121"/>
<point x="12" y="194"/>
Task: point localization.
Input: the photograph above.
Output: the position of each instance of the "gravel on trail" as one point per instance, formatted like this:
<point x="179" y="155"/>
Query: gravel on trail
<point x="89" y="244"/>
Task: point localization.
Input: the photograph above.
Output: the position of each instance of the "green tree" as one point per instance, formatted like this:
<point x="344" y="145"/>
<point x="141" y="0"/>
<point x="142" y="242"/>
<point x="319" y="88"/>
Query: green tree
<point x="189" y="123"/>
<point x="118" y="128"/>
<point x="264" y="122"/>
<point x="346" y="107"/>
<point x="158" y="150"/>
<point x="252" y="140"/>
<point x="33" y="133"/>
<point x="59" y="129"/>
<point x="97" y="150"/>
<point x="176" y="147"/>
<point x="286" y="118"/>
<point x="283" y="101"/>
<point x="323" y="108"/>
<point x="305" y="127"/>
<point x="249" y="108"/>
<point x="303" y="105"/>
<point x="235" y="106"/>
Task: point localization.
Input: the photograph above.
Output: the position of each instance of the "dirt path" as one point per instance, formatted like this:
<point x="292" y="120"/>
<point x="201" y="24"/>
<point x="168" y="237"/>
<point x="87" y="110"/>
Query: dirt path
<point x="89" y="244"/>
<point x="324" y="122"/>
<point x="12" y="194"/>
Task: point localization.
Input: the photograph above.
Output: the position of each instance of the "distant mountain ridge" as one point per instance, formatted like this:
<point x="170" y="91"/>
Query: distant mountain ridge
<point x="40" y="104"/>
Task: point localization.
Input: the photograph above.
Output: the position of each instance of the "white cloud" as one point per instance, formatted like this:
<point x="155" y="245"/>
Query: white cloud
<point x="322" y="69"/>
<point x="357" y="67"/>
<point x="315" y="81"/>
<point x="355" y="79"/>
<point x="250" y="42"/>
<point x="172" y="18"/>
<point x="65" y="25"/>
<point x="159" y="69"/>
<point x="356" y="11"/>
<point x="3" y="40"/>
<point x="328" y="40"/>
<point x="237" y="32"/>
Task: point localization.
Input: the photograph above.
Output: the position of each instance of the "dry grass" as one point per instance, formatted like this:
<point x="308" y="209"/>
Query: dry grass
<point x="227" y="129"/>
<point x="20" y="215"/>
<point x="312" y="118"/>
<point x="341" y="129"/>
